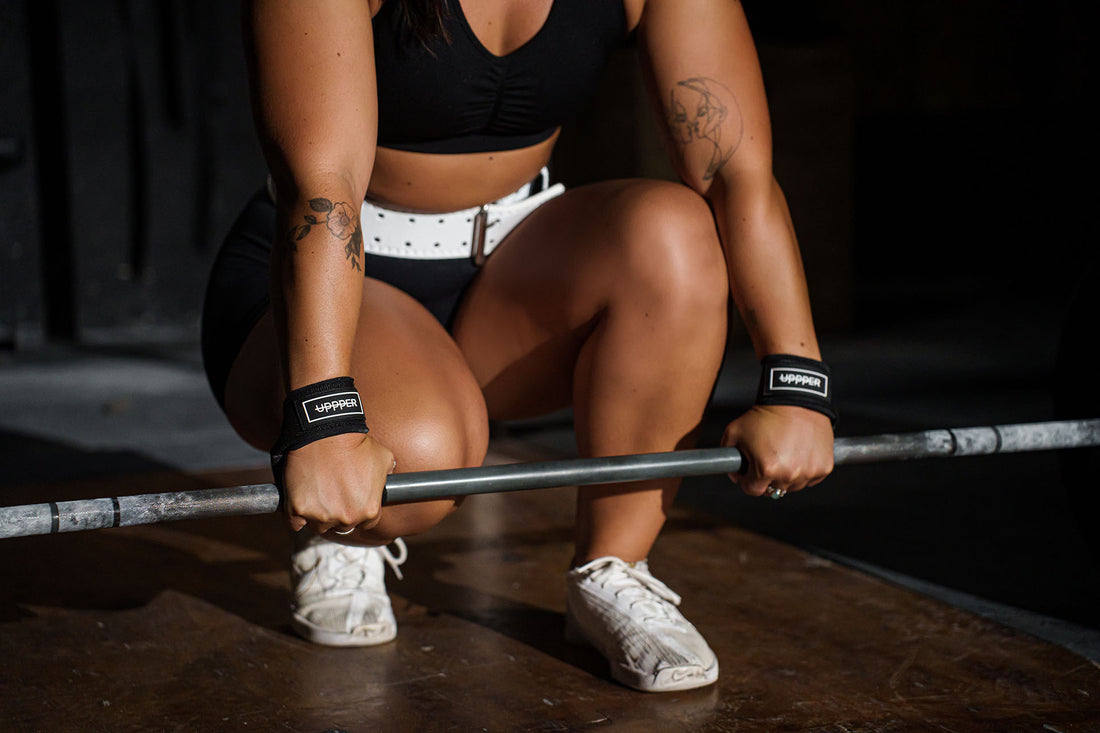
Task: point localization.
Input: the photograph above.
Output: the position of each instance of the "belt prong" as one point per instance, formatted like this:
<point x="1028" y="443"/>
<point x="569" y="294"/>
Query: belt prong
<point x="477" y="248"/>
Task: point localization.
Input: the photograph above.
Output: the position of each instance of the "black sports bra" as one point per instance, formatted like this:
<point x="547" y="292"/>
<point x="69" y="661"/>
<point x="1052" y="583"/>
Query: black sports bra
<point x="460" y="98"/>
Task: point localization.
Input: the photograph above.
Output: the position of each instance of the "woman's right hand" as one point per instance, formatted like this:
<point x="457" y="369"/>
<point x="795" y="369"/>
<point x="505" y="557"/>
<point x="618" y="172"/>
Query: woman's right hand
<point x="336" y="483"/>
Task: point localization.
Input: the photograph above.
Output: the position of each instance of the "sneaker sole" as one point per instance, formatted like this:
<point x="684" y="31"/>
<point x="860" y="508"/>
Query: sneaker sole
<point x="674" y="679"/>
<point x="316" y="635"/>
<point x="678" y="678"/>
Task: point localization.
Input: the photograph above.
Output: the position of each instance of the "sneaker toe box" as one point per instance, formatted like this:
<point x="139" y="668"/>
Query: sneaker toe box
<point x="334" y="623"/>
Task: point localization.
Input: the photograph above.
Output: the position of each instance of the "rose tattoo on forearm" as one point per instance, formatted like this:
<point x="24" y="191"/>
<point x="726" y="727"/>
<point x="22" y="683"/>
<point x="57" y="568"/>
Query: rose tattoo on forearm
<point x="702" y="110"/>
<point x="341" y="222"/>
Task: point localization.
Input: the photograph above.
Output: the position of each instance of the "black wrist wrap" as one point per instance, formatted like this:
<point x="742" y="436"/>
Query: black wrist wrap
<point x="795" y="380"/>
<point x="314" y="412"/>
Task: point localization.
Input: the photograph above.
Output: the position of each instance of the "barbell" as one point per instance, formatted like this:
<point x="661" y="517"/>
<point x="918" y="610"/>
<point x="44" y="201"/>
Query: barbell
<point x="121" y="511"/>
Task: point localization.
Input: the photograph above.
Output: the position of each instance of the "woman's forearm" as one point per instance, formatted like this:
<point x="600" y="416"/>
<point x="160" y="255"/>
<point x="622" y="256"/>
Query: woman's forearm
<point x="766" y="277"/>
<point x="317" y="282"/>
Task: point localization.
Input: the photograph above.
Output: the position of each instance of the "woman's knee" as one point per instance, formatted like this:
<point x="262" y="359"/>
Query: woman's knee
<point x="451" y="432"/>
<point x="454" y="435"/>
<point x="672" y="253"/>
<point x="440" y="424"/>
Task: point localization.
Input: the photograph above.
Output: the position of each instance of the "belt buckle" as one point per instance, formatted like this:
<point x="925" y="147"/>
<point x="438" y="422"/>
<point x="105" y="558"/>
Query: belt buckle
<point x="477" y="248"/>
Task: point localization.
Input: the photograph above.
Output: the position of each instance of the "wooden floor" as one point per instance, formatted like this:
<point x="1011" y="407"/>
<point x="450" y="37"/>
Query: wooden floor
<point x="184" y="627"/>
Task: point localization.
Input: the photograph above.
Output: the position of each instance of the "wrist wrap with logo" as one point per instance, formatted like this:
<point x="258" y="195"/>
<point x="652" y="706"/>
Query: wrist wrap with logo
<point x="317" y="411"/>
<point x="795" y="380"/>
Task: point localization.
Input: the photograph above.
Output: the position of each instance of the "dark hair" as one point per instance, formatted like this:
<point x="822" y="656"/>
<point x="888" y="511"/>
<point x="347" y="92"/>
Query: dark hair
<point x="424" y="18"/>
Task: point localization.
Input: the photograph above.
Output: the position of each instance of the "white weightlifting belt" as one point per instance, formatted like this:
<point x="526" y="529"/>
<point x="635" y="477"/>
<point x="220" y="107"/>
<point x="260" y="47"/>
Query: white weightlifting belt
<point x="473" y="232"/>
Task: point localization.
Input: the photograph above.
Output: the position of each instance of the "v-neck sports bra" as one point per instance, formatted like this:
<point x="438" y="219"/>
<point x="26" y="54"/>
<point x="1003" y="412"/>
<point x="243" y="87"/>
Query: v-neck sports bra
<point x="459" y="97"/>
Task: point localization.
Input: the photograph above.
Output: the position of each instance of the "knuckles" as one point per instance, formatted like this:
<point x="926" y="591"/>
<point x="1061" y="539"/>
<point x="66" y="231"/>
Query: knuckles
<point x="792" y="474"/>
<point x="343" y="511"/>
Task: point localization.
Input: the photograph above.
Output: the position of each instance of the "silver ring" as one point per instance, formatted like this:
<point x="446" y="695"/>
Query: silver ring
<point x="346" y="532"/>
<point x="774" y="493"/>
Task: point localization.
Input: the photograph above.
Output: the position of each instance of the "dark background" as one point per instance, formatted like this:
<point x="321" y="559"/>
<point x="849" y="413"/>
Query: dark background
<point x="938" y="160"/>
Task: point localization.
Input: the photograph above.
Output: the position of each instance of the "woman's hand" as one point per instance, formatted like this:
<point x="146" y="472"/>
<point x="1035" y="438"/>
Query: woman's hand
<point x="336" y="483"/>
<point x="784" y="448"/>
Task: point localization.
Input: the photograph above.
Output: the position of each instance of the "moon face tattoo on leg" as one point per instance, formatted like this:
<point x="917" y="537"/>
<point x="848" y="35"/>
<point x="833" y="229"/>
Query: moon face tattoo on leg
<point x="702" y="110"/>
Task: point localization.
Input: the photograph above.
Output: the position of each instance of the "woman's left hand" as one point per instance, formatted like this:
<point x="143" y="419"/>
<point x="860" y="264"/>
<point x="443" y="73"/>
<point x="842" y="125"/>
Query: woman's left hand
<point x="785" y="448"/>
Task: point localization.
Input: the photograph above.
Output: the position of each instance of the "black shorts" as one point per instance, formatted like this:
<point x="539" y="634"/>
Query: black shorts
<point x="238" y="294"/>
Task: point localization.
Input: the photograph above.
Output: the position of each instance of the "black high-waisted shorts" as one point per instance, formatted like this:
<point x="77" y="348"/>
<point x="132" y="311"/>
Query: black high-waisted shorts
<point x="238" y="294"/>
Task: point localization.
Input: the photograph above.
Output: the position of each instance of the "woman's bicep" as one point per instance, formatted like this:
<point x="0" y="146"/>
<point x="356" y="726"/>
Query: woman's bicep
<point x="313" y="90"/>
<point x="704" y="78"/>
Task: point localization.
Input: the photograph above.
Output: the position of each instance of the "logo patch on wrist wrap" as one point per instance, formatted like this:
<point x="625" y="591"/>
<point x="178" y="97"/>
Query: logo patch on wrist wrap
<point x="788" y="379"/>
<point x="326" y="407"/>
<point x="795" y="380"/>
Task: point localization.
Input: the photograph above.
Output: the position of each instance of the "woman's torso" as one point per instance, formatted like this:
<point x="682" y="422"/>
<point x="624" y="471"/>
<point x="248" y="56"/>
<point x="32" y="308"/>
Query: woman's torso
<point x="471" y="121"/>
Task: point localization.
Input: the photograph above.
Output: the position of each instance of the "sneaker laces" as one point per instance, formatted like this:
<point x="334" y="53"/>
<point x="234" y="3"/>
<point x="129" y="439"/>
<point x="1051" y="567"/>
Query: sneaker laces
<point x="633" y="585"/>
<point x="395" y="563"/>
<point x="345" y="569"/>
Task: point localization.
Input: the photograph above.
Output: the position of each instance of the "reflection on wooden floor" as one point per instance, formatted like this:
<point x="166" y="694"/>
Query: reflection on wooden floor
<point x="184" y="627"/>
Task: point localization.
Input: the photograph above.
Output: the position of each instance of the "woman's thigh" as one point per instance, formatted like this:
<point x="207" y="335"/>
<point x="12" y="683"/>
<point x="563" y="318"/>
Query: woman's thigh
<point x="420" y="399"/>
<point x="643" y="252"/>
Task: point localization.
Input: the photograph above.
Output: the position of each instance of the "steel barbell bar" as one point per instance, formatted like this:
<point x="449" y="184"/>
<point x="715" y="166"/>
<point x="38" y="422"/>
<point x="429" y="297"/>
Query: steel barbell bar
<point x="122" y="511"/>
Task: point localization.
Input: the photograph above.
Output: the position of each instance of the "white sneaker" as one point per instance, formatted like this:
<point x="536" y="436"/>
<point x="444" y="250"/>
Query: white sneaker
<point x="632" y="619"/>
<point x="340" y="592"/>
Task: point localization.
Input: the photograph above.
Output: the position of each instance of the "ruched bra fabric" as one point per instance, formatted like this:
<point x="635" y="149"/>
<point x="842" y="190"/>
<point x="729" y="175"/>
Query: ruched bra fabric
<point x="458" y="97"/>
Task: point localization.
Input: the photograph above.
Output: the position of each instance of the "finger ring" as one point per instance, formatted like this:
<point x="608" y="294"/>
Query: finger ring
<point x="774" y="493"/>
<point x="345" y="532"/>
